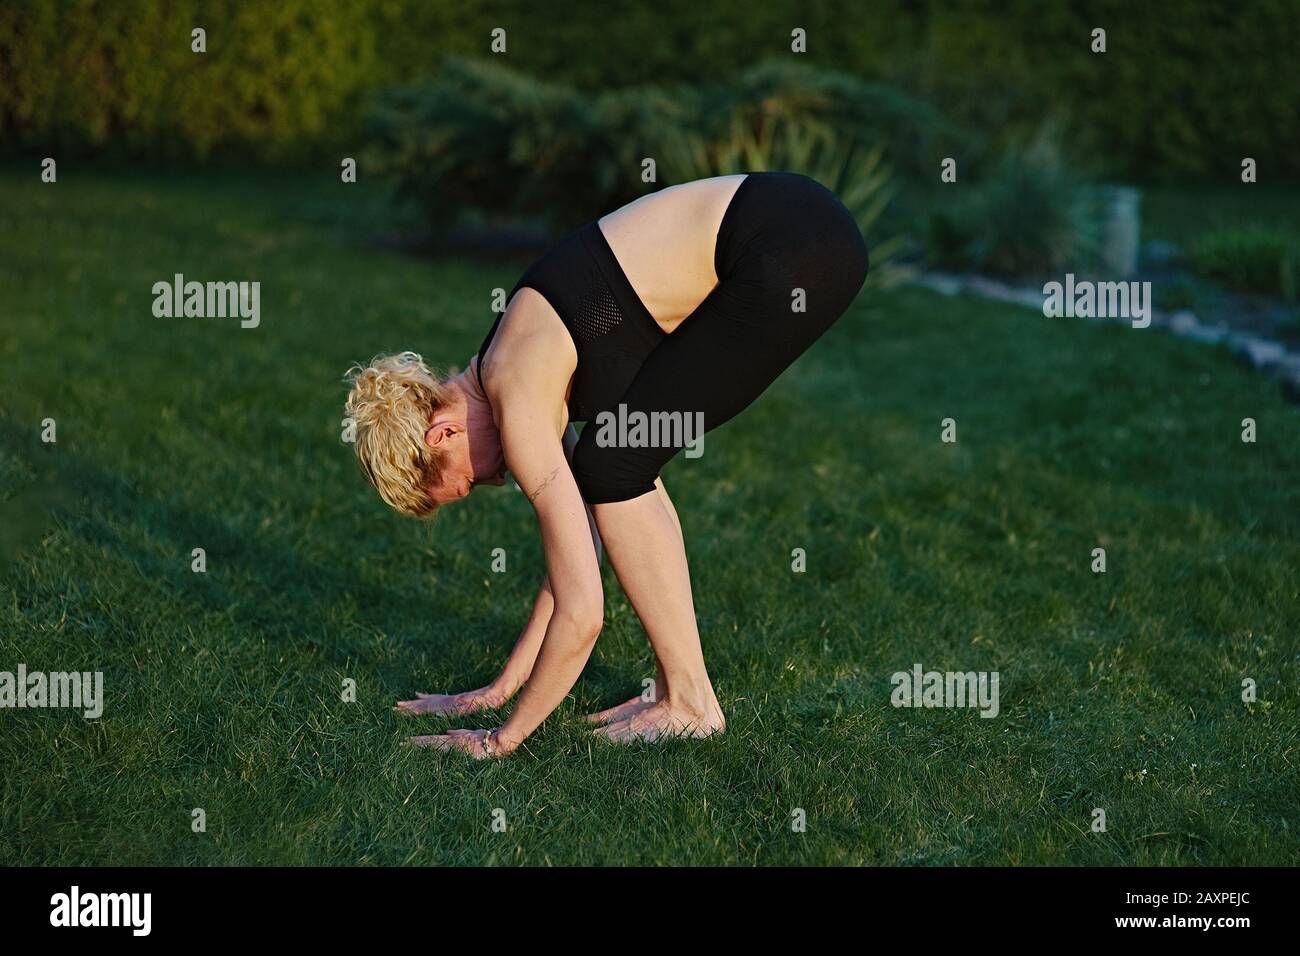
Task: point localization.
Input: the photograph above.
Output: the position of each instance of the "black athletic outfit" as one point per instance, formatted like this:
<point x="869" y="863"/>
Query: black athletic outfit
<point x="781" y="232"/>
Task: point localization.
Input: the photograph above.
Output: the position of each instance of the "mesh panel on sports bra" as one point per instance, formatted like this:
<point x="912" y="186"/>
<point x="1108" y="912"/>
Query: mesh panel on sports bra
<point x="598" y="313"/>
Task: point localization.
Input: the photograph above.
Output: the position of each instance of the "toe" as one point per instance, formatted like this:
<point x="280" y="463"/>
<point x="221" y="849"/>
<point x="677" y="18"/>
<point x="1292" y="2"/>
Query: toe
<point x="605" y="716"/>
<point x="612" y="730"/>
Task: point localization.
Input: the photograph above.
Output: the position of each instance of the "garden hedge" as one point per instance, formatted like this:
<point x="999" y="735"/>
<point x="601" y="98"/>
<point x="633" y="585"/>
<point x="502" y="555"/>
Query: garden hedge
<point x="1186" y="87"/>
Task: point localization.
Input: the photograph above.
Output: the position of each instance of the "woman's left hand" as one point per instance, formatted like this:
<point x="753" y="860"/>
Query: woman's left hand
<point x="466" y="741"/>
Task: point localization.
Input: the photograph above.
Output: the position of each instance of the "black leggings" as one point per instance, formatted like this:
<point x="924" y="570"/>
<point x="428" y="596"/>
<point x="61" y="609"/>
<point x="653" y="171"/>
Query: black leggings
<point x="785" y="244"/>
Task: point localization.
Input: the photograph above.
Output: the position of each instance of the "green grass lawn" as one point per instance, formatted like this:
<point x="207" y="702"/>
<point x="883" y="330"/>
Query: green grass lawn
<point x="1119" y="691"/>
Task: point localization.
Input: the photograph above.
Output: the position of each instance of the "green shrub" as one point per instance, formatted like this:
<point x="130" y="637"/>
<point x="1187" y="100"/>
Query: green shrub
<point x="484" y="141"/>
<point x="1181" y="292"/>
<point x="80" y="75"/>
<point x="912" y="133"/>
<point x="1034" y="215"/>
<point x="1251" y="258"/>
<point x="1180" y="78"/>
<point x="852" y="170"/>
<point x="482" y="138"/>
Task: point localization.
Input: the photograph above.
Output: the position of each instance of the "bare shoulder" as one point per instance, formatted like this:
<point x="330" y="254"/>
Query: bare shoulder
<point x="531" y="345"/>
<point x="531" y="359"/>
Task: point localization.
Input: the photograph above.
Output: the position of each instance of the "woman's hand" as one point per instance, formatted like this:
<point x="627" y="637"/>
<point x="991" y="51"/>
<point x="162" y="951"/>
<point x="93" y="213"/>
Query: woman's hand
<point x="466" y="741"/>
<point x="455" y="705"/>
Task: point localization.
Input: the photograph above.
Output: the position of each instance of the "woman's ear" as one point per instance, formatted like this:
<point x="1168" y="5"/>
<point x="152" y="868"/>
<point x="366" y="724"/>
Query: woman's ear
<point x="439" y="433"/>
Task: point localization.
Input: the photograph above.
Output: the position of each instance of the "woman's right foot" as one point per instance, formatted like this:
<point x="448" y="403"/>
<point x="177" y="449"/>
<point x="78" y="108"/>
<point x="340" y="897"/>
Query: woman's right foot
<point x="665" y="720"/>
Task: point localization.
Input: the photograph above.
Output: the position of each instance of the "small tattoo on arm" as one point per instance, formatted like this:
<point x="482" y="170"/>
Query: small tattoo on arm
<point x="542" y="487"/>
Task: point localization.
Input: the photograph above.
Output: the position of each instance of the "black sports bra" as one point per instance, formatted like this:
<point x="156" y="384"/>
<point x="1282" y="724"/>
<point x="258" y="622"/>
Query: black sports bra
<point x="610" y="326"/>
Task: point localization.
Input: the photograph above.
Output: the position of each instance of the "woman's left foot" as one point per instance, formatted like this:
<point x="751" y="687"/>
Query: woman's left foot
<point x="663" y="720"/>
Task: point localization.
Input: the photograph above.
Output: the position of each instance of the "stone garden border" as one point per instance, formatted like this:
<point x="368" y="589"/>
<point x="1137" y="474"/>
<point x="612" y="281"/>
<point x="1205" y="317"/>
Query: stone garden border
<point x="1256" y="351"/>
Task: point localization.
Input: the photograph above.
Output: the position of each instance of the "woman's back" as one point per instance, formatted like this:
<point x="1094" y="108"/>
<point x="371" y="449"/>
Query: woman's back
<point x="665" y="244"/>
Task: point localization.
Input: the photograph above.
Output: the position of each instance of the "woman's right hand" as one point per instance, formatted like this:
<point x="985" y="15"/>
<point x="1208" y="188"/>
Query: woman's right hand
<point x="470" y="702"/>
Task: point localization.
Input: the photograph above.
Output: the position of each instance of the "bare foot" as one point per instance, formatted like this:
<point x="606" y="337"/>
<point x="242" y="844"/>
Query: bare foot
<point x="663" y="720"/>
<point x="621" y="712"/>
<point x="470" y="702"/>
<point x="630" y="707"/>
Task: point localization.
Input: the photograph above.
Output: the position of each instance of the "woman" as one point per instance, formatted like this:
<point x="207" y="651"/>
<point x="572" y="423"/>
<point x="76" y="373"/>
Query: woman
<point x="688" y="302"/>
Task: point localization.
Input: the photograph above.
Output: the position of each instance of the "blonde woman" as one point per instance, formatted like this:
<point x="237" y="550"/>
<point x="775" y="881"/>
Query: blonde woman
<point x="688" y="302"/>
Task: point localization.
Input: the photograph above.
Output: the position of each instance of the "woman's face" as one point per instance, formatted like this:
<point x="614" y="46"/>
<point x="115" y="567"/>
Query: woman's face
<point x="474" y="457"/>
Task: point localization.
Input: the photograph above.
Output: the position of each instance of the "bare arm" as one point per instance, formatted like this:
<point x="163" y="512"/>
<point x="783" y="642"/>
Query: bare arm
<point x="520" y="664"/>
<point x="573" y="572"/>
<point x="570" y="442"/>
<point x="547" y="358"/>
<point x="535" y="358"/>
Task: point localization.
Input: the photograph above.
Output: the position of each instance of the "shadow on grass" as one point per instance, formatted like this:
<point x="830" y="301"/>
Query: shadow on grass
<point x="261" y="585"/>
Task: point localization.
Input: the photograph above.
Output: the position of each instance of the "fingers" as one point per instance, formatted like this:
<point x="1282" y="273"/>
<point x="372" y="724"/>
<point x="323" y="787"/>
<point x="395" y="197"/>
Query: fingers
<point x="466" y="741"/>
<point x="453" y="705"/>
<point x="426" y="704"/>
<point x="434" y="704"/>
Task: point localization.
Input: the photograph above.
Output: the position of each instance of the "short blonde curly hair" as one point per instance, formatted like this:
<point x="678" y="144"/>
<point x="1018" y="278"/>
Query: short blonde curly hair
<point x="391" y="403"/>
